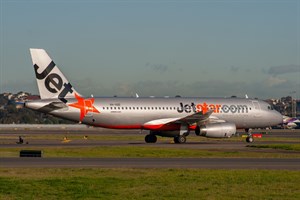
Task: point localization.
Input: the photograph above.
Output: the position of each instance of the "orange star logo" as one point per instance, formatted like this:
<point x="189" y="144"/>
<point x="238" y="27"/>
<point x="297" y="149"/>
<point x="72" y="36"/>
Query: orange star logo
<point x="85" y="106"/>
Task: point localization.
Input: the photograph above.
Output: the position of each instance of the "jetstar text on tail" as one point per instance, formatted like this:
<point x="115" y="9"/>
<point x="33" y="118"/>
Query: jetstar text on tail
<point x="55" y="80"/>
<point x="217" y="108"/>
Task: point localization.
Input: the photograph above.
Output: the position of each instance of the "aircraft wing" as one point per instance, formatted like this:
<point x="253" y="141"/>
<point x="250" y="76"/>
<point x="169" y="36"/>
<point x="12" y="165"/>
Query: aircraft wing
<point x="194" y="118"/>
<point x="214" y="119"/>
<point x="198" y="118"/>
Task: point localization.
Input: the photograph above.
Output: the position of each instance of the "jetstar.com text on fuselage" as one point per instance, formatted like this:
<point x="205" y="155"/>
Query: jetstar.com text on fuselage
<point x="217" y="108"/>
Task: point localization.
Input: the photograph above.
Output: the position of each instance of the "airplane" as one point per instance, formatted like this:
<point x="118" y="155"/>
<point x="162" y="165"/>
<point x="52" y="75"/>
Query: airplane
<point x="291" y="122"/>
<point x="162" y="116"/>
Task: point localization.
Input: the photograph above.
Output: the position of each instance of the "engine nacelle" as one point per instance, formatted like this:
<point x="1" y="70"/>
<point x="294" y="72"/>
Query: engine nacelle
<point x="217" y="130"/>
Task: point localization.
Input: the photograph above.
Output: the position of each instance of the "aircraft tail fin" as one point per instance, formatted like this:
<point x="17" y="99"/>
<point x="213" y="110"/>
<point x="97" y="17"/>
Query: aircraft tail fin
<point x="50" y="80"/>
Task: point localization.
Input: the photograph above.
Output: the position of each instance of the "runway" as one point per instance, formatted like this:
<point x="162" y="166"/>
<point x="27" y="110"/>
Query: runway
<point x="199" y="163"/>
<point x="51" y="137"/>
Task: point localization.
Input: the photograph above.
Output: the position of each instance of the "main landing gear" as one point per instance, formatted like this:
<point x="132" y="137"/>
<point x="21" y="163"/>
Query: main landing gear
<point x="150" y="138"/>
<point x="249" y="138"/>
<point x="180" y="139"/>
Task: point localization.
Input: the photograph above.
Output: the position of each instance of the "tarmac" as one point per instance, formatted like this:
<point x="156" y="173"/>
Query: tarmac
<point x="9" y="137"/>
<point x="199" y="163"/>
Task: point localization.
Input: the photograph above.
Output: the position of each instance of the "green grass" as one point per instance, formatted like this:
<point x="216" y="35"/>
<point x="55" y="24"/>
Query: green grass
<point x="148" y="184"/>
<point x="147" y="152"/>
<point x="293" y="147"/>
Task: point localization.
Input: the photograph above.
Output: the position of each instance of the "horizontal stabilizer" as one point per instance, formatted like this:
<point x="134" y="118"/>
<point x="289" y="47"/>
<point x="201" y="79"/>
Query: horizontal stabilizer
<point x="53" y="106"/>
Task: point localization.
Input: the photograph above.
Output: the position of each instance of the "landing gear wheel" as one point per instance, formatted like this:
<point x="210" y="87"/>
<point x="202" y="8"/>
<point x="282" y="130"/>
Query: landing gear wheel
<point x="249" y="139"/>
<point x="150" y="138"/>
<point x="180" y="139"/>
<point x="197" y="130"/>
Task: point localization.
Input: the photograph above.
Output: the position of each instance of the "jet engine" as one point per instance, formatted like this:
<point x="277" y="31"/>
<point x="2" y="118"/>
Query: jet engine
<point x="216" y="130"/>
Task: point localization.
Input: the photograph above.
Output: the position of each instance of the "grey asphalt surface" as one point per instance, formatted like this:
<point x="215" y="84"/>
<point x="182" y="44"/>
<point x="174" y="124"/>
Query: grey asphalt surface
<point x="8" y="138"/>
<point x="202" y="163"/>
